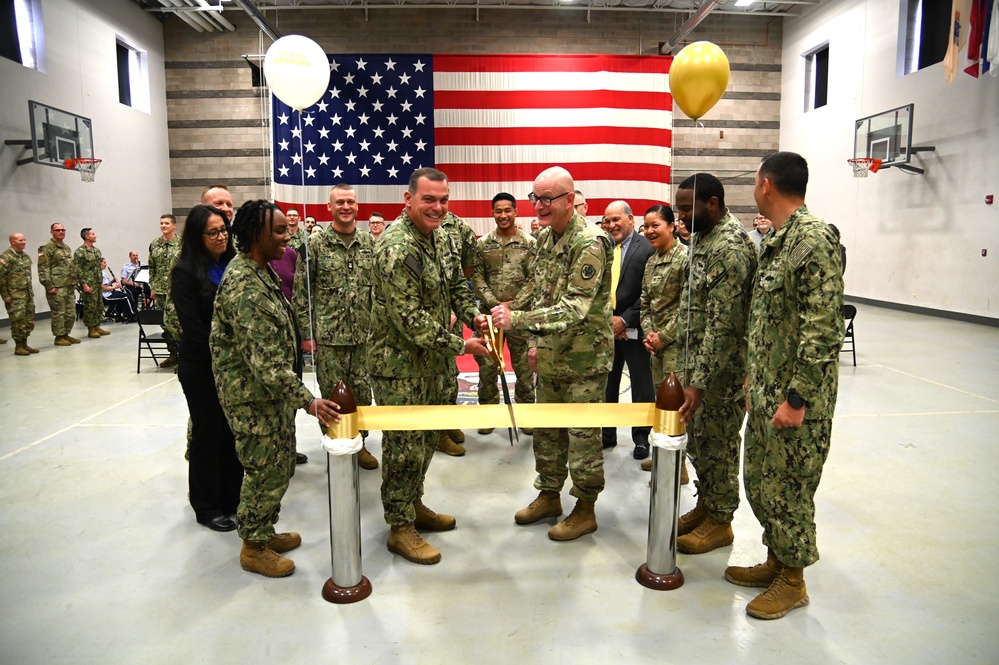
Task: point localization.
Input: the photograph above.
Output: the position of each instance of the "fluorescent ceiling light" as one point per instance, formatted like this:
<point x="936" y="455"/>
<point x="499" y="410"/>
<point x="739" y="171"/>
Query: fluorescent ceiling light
<point x="744" y="3"/>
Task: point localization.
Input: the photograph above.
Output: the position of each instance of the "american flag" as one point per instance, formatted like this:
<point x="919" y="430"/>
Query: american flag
<point x="490" y="122"/>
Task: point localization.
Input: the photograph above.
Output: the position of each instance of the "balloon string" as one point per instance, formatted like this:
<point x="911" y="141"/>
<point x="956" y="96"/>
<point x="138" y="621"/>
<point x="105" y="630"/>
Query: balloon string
<point x="690" y="265"/>
<point x="308" y="271"/>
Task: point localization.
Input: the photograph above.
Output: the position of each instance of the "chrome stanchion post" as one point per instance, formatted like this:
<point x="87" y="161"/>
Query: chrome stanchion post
<point x="668" y="441"/>
<point x="342" y="443"/>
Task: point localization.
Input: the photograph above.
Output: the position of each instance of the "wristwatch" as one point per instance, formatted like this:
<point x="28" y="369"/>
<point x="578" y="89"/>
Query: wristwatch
<point x="794" y="400"/>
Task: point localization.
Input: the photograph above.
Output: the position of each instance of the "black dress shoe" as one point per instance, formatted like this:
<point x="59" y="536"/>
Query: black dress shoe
<point x="641" y="450"/>
<point x="301" y="458"/>
<point x="609" y="445"/>
<point x="220" y="523"/>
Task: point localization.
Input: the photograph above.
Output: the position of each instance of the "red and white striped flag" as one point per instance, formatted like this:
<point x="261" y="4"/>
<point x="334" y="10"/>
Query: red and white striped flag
<point x="491" y="123"/>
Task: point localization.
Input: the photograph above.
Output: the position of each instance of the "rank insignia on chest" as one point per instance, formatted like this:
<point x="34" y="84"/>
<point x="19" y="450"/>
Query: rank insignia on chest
<point x="588" y="272"/>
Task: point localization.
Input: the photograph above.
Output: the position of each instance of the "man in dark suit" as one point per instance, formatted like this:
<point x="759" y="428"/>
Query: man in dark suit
<point x="631" y="253"/>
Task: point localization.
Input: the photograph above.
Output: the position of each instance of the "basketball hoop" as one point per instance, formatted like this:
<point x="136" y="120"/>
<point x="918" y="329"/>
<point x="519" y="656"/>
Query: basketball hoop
<point x="861" y="165"/>
<point x="86" y="166"/>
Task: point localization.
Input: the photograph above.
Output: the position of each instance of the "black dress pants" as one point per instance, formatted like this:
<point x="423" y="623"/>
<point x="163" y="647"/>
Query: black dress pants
<point x="631" y="352"/>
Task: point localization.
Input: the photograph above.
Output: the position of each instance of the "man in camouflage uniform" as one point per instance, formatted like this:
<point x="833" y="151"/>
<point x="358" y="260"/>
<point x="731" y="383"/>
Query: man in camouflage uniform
<point x="162" y="253"/>
<point x="337" y="276"/>
<point x="712" y="330"/>
<point x="88" y="260"/>
<point x="15" y="289"/>
<point x="570" y="309"/>
<point x="376" y="225"/>
<point x="57" y="275"/>
<point x="503" y="266"/>
<point x="664" y="280"/>
<point x="299" y="236"/>
<point x="254" y="343"/>
<point x="795" y="335"/>
<point x="411" y="351"/>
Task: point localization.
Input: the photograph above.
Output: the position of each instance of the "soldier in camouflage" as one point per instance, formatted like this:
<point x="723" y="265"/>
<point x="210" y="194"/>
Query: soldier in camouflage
<point x="88" y="260"/>
<point x="336" y="282"/>
<point x="15" y="289"/>
<point x="162" y="253"/>
<point x="411" y="351"/>
<point x="664" y="280"/>
<point x="57" y="275"/>
<point x="712" y="330"/>
<point x="299" y="236"/>
<point x="503" y="266"/>
<point x="569" y="309"/>
<point x="795" y="334"/>
<point x="254" y="342"/>
<point x="462" y="240"/>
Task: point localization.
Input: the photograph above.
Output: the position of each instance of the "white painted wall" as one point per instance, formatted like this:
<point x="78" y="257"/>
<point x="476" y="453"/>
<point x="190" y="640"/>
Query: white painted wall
<point x="132" y="187"/>
<point x="913" y="240"/>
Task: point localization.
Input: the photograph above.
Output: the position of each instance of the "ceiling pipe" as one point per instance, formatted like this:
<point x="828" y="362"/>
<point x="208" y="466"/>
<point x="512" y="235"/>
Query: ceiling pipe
<point x="689" y="26"/>
<point x="258" y="18"/>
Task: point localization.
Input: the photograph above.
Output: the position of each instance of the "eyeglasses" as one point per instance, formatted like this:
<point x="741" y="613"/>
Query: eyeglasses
<point x="545" y="200"/>
<point x="577" y="206"/>
<point x="216" y="233"/>
<point x="58" y="230"/>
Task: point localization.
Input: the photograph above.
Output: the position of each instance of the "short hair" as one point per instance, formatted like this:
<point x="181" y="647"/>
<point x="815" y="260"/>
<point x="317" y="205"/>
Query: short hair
<point x="290" y="209"/>
<point x="787" y="171"/>
<point x="84" y="231"/>
<point x="706" y="186"/>
<point x="427" y="172"/>
<point x="210" y="188"/>
<point x="625" y="208"/>
<point x="376" y="214"/>
<point x="504" y="196"/>
<point x="664" y="212"/>
<point x="53" y="225"/>
<point x="576" y="191"/>
<point x="250" y="222"/>
<point x="342" y="186"/>
<point x="169" y="216"/>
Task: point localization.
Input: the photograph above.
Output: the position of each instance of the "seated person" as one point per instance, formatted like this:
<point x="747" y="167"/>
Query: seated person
<point x="118" y="303"/>
<point x="138" y="291"/>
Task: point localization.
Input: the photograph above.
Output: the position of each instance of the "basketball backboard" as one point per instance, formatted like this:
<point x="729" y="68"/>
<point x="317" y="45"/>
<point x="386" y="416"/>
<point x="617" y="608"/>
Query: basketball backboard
<point x="58" y="135"/>
<point x="887" y="136"/>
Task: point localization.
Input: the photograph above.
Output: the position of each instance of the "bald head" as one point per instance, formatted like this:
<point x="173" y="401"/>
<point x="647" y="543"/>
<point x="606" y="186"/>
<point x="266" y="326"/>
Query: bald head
<point x="553" y="198"/>
<point x="17" y="241"/>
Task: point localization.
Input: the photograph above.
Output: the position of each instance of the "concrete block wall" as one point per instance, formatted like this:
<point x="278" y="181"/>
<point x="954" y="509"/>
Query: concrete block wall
<point x="218" y="121"/>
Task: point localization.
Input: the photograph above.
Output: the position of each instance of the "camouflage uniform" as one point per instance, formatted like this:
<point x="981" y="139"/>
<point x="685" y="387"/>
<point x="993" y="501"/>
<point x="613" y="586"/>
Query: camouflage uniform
<point x="297" y="241"/>
<point x="411" y="350"/>
<point x="339" y="277"/>
<point x="570" y="308"/>
<point x="502" y="268"/>
<point x="15" y="283"/>
<point x="721" y="282"/>
<point x="462" y="240"/>
<point x="254" y="343"/>
<point x="795" y="334"/>
<point x="88" y="271"/>
<point x="162" y="255"/>
<point x="665" y="278"/>
<point x="57" y="271"/>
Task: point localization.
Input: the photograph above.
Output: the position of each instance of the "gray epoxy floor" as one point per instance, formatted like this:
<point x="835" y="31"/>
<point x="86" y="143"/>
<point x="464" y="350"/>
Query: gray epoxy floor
<point x="102" y="560"/>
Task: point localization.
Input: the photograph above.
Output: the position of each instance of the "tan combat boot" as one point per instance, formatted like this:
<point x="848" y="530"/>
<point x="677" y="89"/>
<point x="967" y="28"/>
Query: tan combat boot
<point x="709" y="535"/>
<point x="366" y="460"/>
<point x="20" y="349"/>
<point x="92" y="332"/>
<point x="447" y="445"/>
<point x="456" y="435"/>
<point x="62" y="341"/>
<point x="761" y="575"/>
<point x="691" y="520"/>
<point x="30" y="348"/>
<point x="785" y="594"/>
<point x="684" y="476"/>
<point x="548" y="504"/>
<point x="580" y="522"/>
<point x="71" y="339"/>
<point x="647" y="465"/>
<point x="529" y="431"/>
<point x="407" y="542"/>
<point x="486" y="430"/>
<point x="102" y="331"/>
<point x="428" y="520"/>
<point x="284" y="542"/>
<point x="257" y="557"/>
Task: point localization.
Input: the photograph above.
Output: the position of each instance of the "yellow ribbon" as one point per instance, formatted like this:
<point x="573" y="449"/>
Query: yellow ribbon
<point x="496" y="415"/>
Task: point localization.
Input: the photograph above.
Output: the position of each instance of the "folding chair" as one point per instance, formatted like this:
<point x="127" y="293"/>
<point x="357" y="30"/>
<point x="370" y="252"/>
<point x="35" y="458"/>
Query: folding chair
<point x="849" y="314"/>
<point x="150" y="342"/>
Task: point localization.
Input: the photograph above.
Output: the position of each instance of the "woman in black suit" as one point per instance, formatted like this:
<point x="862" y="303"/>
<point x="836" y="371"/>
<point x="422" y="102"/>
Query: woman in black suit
<point x="214" y="472"/>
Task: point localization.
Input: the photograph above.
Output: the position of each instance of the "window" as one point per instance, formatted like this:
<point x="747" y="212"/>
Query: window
<point x="924" y="27"/>
<point x="21" y="32"/>
<point x="133" y="76"/>
<point x="817" y="78"/>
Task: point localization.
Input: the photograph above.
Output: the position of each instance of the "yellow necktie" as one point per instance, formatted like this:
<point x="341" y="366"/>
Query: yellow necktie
<point x="615" y="274"/>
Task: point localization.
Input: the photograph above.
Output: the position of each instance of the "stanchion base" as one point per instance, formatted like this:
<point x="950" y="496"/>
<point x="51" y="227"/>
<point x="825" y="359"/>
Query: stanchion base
<point x="343" y="595"/>
<point x="659" y="582"/>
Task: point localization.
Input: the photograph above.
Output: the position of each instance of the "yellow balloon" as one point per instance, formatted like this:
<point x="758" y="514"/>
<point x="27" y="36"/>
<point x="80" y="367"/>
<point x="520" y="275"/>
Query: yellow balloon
<point x="698" y="78"/>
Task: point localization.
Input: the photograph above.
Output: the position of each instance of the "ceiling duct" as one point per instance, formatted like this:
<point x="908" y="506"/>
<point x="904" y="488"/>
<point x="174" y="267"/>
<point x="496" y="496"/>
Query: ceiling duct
<point x="688" y="26"/>
<point x="258" y="18"/>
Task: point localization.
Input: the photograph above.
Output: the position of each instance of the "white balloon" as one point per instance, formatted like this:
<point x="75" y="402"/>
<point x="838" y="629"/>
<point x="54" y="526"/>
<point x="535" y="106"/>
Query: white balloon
<point x="297" y="71"/>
